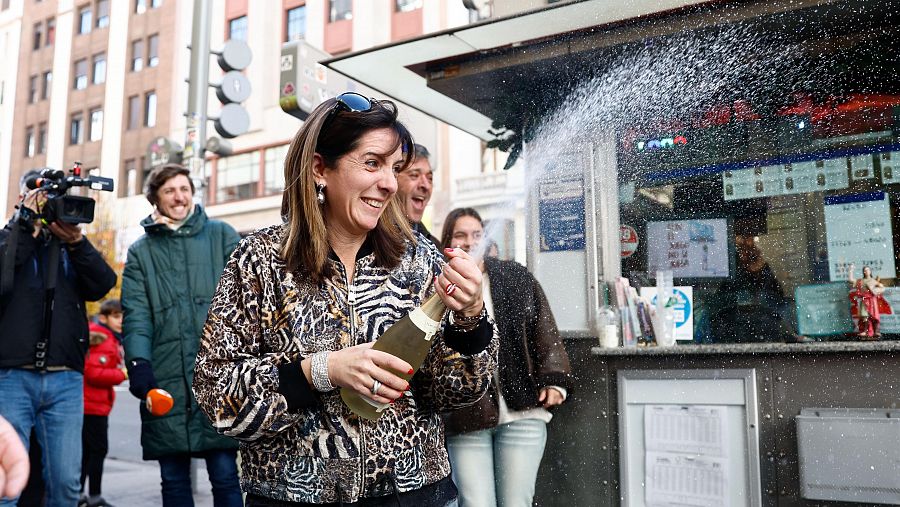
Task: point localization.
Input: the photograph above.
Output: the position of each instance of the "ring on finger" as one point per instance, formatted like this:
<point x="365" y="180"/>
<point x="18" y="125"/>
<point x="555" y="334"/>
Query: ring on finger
<point x="451" y="288"/>
<point x="375" y="387"/>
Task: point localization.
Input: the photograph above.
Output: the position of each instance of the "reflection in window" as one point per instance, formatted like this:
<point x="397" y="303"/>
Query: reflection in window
<point x="150" y="110"/>
<point x="51" y="32"/>
<point x="134" y="112"/>
<point x="42" y="138"/>
<point x="32" y="89"/>
<point x="96" y="127"/>
<point x="237" y="177"/>
<point x="340" y="10"/>
<point x="296" y="24"/>
<point x="274" y="171"/>
<point x="153" y="50"/>
<point x="47" y="83"/>
<point x="37" y="36"/>
<point x="237" y="28"/>
<point x="137" y="55"/>
<point x="131" y="178"/>
<point x="81" y="74"/>
<point x="407" y="5"/>
<point x="76" y="128"/>
<point x="99" y="71"/>
<point x="29" y="142"/>
<point x="84" y="20"/>
<point x="102" y="13"/>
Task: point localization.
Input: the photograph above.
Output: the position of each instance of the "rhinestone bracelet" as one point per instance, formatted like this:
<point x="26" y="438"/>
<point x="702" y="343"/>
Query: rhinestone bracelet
<point x="319" y="370"/>
<point x="466" y="324"/>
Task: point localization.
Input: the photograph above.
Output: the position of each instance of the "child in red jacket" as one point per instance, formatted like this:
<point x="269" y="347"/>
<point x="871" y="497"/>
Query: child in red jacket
<point x="103" y="369"/>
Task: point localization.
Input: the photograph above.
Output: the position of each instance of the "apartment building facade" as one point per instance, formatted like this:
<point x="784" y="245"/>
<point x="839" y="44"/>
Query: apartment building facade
<point x="98" y="81"/>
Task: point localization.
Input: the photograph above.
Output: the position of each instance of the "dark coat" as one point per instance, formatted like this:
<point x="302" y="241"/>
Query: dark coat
<point x="102" y="371"/>
<point x="532" y="354"/>
<point x="418" y="227"/>
<point x="169" y="280"/>
<point x="83" y="276"/>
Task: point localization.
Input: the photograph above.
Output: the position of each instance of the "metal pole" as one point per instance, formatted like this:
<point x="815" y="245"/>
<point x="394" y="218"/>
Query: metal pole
<point x="195" y="133"/>
<point x="198" y="94"/>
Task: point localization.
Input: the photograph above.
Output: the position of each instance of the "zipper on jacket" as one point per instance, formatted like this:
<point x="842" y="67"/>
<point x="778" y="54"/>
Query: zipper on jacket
<point x="351" y="303"/>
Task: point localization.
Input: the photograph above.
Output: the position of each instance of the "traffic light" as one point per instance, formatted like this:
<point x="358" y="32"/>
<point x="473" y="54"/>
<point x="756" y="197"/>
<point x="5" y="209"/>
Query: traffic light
<point x="233" y="89"/>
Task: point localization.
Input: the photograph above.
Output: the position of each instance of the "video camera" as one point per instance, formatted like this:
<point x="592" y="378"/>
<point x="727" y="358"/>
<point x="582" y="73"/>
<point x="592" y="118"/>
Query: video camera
<point x="73" y="209"/>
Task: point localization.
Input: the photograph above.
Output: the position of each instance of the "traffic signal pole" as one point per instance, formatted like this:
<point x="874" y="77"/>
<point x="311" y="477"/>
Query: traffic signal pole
<point x="198" y="94"/>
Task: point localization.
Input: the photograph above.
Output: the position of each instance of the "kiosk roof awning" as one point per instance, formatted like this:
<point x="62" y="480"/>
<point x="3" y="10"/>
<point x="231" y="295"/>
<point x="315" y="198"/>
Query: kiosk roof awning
<point x="411" y="71"/>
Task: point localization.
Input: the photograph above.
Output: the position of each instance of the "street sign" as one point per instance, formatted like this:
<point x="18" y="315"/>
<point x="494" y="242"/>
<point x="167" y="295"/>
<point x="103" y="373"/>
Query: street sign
<point x="162" y="151"/>
<point x="629" y="241"/>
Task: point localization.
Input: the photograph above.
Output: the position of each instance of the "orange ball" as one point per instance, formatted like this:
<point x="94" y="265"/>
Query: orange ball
<point x="159" y="402"/>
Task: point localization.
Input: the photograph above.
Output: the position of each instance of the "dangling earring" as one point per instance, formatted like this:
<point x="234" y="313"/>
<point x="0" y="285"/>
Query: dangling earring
<point x="320" y="193"/>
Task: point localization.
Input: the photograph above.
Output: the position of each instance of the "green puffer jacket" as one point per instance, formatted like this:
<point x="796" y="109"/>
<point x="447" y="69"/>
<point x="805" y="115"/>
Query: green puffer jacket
<point x="170" y="277"/>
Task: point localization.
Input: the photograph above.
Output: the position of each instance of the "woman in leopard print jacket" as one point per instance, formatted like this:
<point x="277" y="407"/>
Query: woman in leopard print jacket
<point x="298" y="308"/>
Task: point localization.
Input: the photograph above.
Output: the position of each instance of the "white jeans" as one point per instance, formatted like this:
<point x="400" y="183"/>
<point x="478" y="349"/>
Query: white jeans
<point x="498" y="466"/>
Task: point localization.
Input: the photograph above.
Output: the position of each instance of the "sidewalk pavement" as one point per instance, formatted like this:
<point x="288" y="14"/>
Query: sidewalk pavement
<point x="136" y="484"/>
<point x="128" y="480"/>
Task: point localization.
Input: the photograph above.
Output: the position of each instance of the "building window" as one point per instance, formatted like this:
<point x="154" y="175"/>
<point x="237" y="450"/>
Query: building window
<point x="150" y="109"/>
<point x="38" y="35"/>
<point x="407" y="5"/>
<point x="81" y="74"/>
<point x="47" y="82"/>
<point x="274" y="170"/>
<point x="76" y="128"/>
<point x="140" y="7"/>
<point x="339" y="10"/>
<point x="237" y="177"/>
<point x="102" y="13"/>
<point x="296" y="24"/>
<point x="237" y="28"/>
<point x="51" y="32"/>
<point x="153" y="50"/>
<point x="134" y="112"/>
<point x="155" y="3"/>
<point x="130" y="177"/>
<point x="29" y="142"/>
<point x="84" y="20"/>
<point x="42" y="138"/>
<point x="99" y="69"/>
<point x="32" y="89"/>
<point x="4" y="5"/>
<point x="137" y="55"/>
<point x="96" y="131"/>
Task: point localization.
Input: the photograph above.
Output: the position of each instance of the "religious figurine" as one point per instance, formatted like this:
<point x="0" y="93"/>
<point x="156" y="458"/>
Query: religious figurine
<point x="866" y="296"/>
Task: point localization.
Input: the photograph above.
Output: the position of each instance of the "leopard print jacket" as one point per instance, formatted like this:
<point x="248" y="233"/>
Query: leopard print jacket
<point x="263" y="316"/>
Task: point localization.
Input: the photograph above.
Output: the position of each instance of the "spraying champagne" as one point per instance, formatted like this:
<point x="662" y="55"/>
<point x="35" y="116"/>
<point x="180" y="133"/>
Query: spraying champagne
<point x="409" y="339"/>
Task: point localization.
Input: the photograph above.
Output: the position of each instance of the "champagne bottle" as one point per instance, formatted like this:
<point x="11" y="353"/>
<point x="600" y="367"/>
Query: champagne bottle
<point x="409" y="339"/>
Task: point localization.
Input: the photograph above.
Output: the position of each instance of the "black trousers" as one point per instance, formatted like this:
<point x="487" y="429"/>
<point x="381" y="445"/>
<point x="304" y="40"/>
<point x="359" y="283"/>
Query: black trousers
<point x="94" y="446"/>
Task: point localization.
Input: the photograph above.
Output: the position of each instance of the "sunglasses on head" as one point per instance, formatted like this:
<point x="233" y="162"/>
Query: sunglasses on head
<point x="351" y="102"/>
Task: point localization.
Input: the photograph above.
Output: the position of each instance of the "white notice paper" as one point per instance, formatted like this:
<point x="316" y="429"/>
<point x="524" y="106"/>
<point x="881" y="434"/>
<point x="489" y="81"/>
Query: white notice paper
<point x="686" y="458"/>
<point x="681" y="480"/>
<point x="692" y="429"/>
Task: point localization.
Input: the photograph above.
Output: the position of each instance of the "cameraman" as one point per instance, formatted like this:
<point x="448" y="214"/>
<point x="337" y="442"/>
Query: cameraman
<point x="43" y="335"/>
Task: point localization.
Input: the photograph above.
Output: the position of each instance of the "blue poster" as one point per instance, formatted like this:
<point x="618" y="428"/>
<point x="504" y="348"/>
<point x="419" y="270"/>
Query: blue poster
<point x="561" y="220"/>
<point x="823" y="309"/>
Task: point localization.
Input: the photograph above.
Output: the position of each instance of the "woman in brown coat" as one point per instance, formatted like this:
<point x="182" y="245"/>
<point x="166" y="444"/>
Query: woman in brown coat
<point x="496" y="445"/>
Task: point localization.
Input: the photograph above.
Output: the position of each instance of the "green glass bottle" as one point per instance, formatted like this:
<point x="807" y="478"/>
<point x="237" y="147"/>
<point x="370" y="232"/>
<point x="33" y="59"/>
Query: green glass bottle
<point x="409" y="339"/>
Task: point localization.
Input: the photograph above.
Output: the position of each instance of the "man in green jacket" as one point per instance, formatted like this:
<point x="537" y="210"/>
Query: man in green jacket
<point x="170" y="277"/>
